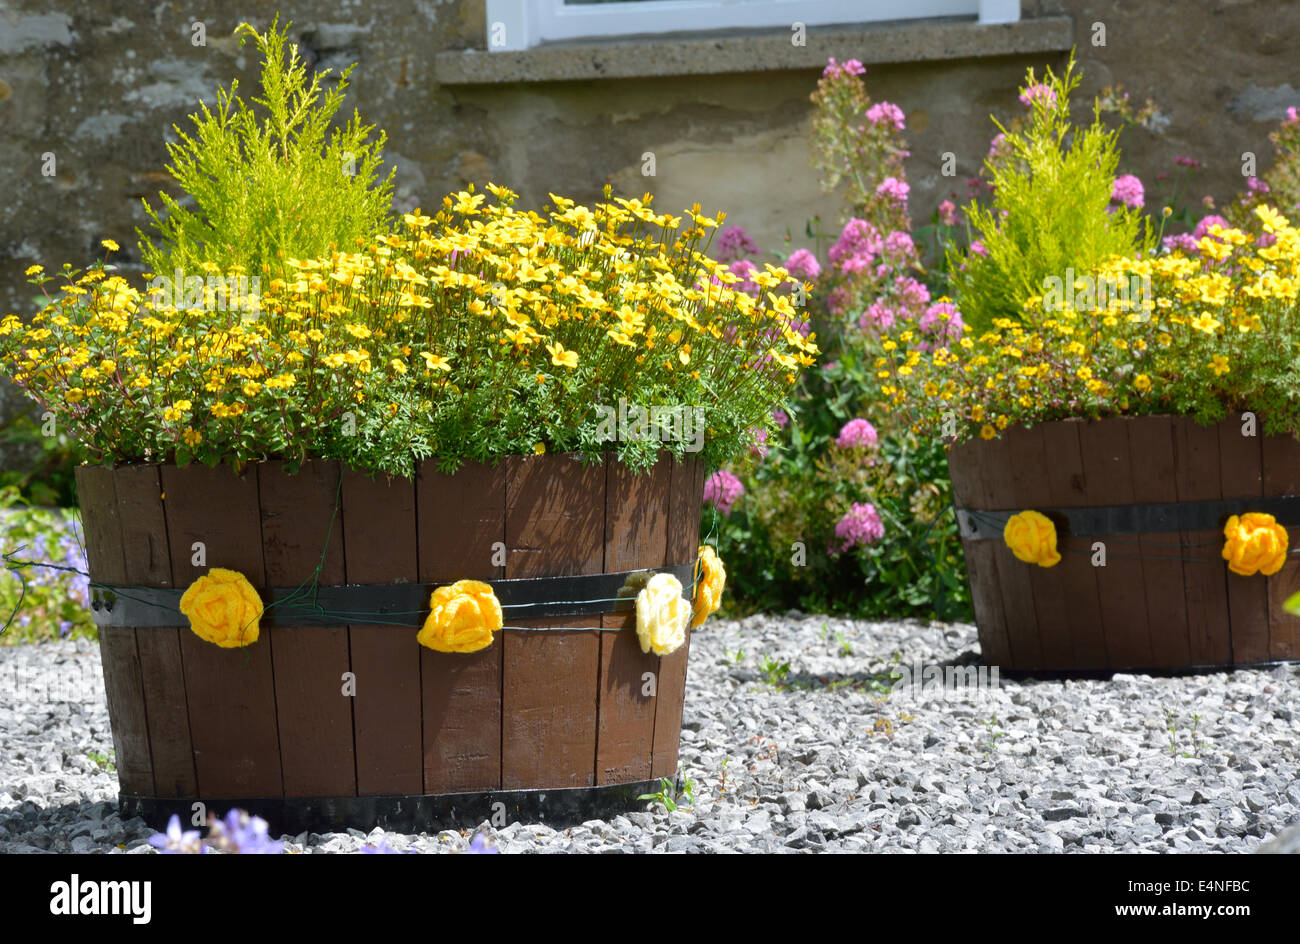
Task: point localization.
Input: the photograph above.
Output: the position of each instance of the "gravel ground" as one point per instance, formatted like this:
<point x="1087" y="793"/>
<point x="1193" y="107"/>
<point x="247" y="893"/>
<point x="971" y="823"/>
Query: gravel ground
<point x="794" y="742"/>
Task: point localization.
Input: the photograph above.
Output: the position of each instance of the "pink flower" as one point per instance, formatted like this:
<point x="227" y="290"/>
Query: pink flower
<point x="1255" y="185"/>
<point x="1265" y="240"/>
<point x="733" y="242"/>
<point x="1037" y="92"/>
<point x="1182" y="161"/>
<point x="723" y="490"/>
<point x="860" y="525"/>
<point x="759" y="447"/>
<point x="744" y="268"/>
<point x="856" y="433"/>
<point x="803" y="264"/>
<point x="995" y="145"/>
<point x="1183" y="241"/>
<point x="948" y="213"/>
<point x="1292" y="116"/>
<point x="854" y="67"/>
<point x="1128" y="191"/>
<point x="899" y="244"/>
<point x="942" y="320"/>
<point x="780" y="418"/>
<point x="879" y="316"/>
<point x="1203" y="227"/>
<point x="838" y="298"/>
<point x="978" y="248"/>
<point x="893" y="188"/>
<point x="832" y="67"/>
<point x="884" y="113"/>
<point x="912" y="292"/>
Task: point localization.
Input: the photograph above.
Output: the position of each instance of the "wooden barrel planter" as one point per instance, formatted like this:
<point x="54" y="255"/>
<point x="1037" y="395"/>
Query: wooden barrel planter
<point x="319" y="727"/>
<point x="1156" y="492"/>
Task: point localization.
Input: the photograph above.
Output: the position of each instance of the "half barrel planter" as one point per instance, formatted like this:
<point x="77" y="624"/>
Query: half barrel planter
<point x="1156" y="491"/>
<point x="552" y="725"/>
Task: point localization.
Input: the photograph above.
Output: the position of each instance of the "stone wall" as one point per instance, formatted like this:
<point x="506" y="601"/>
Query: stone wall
<point x="99" y="84"/>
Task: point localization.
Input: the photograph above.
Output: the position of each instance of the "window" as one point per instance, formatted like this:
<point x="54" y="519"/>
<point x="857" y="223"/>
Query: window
<point x="522" y="24"/>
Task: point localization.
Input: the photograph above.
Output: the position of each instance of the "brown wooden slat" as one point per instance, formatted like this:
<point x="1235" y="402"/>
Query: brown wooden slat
<point x="1151" y="450"/>
<point x="636" y="536"/>
<point x="1067" y="488"/>
<point x="1196" y="454"/>
<point x="685" y="513"/>
<point x="993" y="481"/>
<point x="965" y="471"/>
<point x="379" y="540"/>
<point x="230" y="692"/>
<point x="123" y="686"/>
<point x="1281" y="466"/>
<point x="555" y="511"/>
<point x="461" y="519"/>
<point x="148" y="564"/>
<point x="299" y="525"/>
<point x="1108" y="475"/>
<point x="1018" y="483"/>
<point x="1242" y="477"/>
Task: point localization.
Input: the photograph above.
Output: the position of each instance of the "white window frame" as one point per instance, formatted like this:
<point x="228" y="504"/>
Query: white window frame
<point x="514" y="25"/>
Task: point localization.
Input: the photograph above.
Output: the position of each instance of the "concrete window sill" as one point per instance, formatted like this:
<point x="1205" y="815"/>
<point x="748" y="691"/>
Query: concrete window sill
<point x="756" y="51"/>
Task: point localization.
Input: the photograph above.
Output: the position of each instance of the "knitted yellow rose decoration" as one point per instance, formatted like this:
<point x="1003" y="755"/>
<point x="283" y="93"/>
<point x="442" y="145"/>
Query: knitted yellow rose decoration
<point x="1255" y="543"/>
<point x="223" y="608"/>
<point x="710" y="578"/>
<point x="661" y="615"/>
<point x="1032" y="538"/>
<point x="463" y="618"/>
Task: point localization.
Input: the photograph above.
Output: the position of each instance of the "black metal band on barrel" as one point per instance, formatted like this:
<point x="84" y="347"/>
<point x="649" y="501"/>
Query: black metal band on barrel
<point x="977" y="525"/>
<point x="399" y="604"/>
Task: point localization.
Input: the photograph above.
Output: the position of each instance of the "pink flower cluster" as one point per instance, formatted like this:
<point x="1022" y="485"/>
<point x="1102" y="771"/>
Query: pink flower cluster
<point x="1037" y="92"/>
<point x="948" y="213"/>
<point x="734" y="242"/>
<point x="803" y="264"/>
<point x="942" y="321"/>
<point x="852" y="67"/>
<point x="722" y="489"/>
<point x="857" y="247"/>
<point x="883" y="113"/>
<point x="1128" y="191"/>
<point x="861" y="525"/>
<point x="759" y="448"/>
<point x="893" y="188"/>
<point x="745" y="269"/>
<point x="856" y="434"/>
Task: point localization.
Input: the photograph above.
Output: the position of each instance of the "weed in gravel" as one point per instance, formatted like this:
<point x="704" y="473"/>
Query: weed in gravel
<point x="669" y="798"/>
<point x="1171" y="725"/>
<point x="773" y="672"/>
<point x="104" y="761"/>
<point x="845" y="649"/>
<point x="995" y="734"/>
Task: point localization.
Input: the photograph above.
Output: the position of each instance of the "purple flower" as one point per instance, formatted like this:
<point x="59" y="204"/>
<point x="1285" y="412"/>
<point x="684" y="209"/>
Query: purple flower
<point x="744" y="268"/>
<point x="1255" y="185"/>
<point x="1128" y="191"/>
<point x="175" y="842"/>
<point x="803" y="264"/>
<point x="780" y="418"/>
<point x="1184" y="241"/>
<point x="385" y="849"/>
<point x="1182" y="161"/>
<point x="886" y="113"/>
<point x="995" y="144"/>
<point x="733" y="242"/>
<point x="723" y="490"/>
<point x="480" y="846"/>
<point x="893" y="188"/>
<point x="242" y="834"/>
<point x="759" y="448"/>
<point x="856" y="434"/>
<point x="860" y="525"/>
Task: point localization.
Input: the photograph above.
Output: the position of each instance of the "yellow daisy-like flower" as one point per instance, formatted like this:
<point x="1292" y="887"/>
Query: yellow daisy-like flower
<point x="988" y="432"/>
<point x="1142" y="382"/>
<point x="191" y="437"/>
<point x="110" y="245"/>
<point x="560" y="357"/>
<point x="34" y="270"/>
<point x="1219" y="364"/>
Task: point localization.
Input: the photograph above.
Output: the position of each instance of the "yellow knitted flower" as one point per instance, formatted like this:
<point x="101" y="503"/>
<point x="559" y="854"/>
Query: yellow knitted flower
<point x="661" y="615"/>
<point x="1032" y="538"/>
<point x="710" y="578"/>
<point x="463" y="618"/>
<point x="223" y="608"/>
<point x="1254" y="543"/>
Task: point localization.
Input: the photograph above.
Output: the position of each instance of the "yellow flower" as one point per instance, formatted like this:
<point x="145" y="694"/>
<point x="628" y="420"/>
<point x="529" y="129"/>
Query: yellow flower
<point x="661" y="615"/>
<point x="1219" y="364"/>
<point x="462" y="618"/>
<point x="988" y="432"/>
<point x="434" y="362"/>
<point x="710" y="578"/>
<point x="1142" y="382"/>
<point x="1254" y="543"/>
<point x="109" y="245"/>
<point x="560" y="357"/>
<point x="1032" y="538"/>
<point x="539" y="449"/>
<point x="223" y="608"/>
<point x="34" y="270"/>
<point x="191" y="437"/>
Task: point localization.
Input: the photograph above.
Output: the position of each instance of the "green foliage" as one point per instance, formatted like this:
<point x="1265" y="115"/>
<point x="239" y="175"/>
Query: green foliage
<point x="668" y="797"/>
<point x="48" y="478"/>
<point x="274" y="185"/>
<point x="1051" y="208"/>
